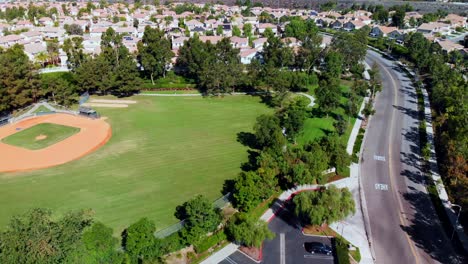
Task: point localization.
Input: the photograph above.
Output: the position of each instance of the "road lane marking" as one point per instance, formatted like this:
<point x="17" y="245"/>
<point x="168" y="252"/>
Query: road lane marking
<point x="230" y="260"/>
<point x="381" y="186"/>
<point x="392" y="185"/>
<point x="379" y="158"/>
<point x="282" y="249"/>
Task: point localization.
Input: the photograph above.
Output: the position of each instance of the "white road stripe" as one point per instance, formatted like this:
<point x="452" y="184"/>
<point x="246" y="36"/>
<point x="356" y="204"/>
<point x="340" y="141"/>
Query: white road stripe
<point x="282" y="249"/>
<point x="230" y="260"/>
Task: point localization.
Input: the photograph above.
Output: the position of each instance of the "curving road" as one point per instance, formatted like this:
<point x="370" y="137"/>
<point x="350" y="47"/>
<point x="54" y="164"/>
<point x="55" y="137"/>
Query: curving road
<point x="402" y="223"/>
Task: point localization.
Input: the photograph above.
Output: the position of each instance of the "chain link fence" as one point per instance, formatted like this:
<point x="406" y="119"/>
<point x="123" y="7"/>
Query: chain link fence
<point x="220" y="203"/>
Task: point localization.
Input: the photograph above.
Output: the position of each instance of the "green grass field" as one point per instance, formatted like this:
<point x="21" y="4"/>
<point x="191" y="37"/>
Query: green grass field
<point x="317" y="127"/>
<point x="53" y="132"/>
<point x="163" y="151"/>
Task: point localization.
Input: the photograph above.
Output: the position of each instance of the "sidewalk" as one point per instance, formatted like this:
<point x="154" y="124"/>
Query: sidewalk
<point x="353" y="227"/>
<point x="221" y="254"/>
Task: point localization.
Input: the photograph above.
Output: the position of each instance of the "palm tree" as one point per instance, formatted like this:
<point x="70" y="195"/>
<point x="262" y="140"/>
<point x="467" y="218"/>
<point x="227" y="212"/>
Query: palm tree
<point x="42" y="58"/>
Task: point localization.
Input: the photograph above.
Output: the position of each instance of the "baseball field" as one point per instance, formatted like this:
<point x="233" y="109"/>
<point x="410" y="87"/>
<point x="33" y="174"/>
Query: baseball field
<point x="163" y="151"/>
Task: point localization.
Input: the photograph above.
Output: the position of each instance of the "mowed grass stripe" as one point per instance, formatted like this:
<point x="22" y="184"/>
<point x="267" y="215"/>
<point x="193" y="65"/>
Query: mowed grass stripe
<point x="163" y="151"/>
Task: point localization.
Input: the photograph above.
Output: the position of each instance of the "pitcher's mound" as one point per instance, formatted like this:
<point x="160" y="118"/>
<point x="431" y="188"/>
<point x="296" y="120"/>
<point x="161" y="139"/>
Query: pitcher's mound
<point x="41" y="137"/>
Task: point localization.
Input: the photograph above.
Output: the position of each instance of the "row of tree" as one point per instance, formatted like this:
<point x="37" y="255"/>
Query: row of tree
<point x="447" y="86"/>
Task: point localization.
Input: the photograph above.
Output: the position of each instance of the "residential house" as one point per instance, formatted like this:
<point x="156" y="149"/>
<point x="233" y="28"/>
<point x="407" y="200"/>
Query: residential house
<point x="247" y="55"/>
<point x="33" y="49"/>
<point x="397" y="35"/>
<point x="353" y="25"/>
<point x="177" y="43"/>
<point x="10" y="40"/>
<point x="258" y="43"/>
<point x="434" y="27"/>
<point x="239" y="43"/>
<point x="263" y="26"/>
<point x="448" y="45"/>
<point x="381" y="31"/>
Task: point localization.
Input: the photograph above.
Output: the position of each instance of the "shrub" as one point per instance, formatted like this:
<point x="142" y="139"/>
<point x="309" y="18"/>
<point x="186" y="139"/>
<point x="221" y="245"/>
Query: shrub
<point x="342" y="250"/>
<point x="210" y="242"/>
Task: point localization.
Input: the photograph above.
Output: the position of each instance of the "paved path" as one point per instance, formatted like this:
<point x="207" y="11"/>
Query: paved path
<point x="311" y="98"/>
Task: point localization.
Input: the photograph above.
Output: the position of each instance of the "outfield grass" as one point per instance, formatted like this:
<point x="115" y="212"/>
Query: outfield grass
<point x="163" y="151"/>
<point x="53" y="133"/>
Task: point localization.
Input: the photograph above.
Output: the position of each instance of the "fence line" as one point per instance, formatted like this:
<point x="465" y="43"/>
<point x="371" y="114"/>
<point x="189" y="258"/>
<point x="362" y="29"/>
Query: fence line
<point x="219" y="203"/>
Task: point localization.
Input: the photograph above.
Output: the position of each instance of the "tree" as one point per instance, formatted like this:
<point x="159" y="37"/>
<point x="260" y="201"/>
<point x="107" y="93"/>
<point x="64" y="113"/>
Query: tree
<point x="36" y="238"/>
<point x="73" y="47"/>
<point x="340" y="125"/>
<point x="268" y="132"/>
<point x="221" y="70"/>
<point x="336" y="150"/>
<point x="100" y="245"/>
<point x="139" y="241"/>
<point x="154" y="52"/>
<point x="248" y="231"/>
<point x="60" y="89"/>
<point x="219" y="30"/>
<point x="200" y="218"/>
<point x="325" y="206"/>
<point x="398" y="18"/>
<point x="328" y="95"/>
<point x="192" y="56"/>
<point x="248" y="192"/>
<point x="236" y="31"/>
<point x="73" y="29"/>
<point x="277" y="54"/>
<point x="309" y="51"/>
<point x="380" y="14"/>
<point x="352" y="46"/>
<point x="19" y="82"/>
<point x="247" y="30"/>
<point x="53" y="51"/>
<point x="136" y="22"/>
<point x="334" y="64"/>
<point x="293" y="118"/>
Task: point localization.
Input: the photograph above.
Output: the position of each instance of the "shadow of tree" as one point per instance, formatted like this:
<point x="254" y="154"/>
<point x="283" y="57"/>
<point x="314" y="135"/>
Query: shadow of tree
<point x="425" y="228"/>
<point x="247" y="139"/>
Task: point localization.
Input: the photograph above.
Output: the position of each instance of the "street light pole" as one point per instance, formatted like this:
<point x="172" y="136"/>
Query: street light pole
<point x="456" y="222"/>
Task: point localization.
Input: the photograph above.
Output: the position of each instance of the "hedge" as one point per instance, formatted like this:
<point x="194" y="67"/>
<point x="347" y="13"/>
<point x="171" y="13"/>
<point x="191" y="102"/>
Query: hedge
<point x="210" y="241"/>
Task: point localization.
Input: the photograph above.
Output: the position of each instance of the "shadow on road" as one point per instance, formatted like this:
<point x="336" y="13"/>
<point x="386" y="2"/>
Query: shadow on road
<point x="424" y="229"/>
<point x="407" y="111"/>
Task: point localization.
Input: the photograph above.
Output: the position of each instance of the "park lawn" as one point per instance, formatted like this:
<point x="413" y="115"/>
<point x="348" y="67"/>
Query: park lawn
<point x="317" y="127"/>
<point x="53" y="133"/>
<point x="163" y="152"/>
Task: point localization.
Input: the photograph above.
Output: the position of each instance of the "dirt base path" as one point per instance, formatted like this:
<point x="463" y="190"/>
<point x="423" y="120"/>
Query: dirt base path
<point x="94" y="133"/>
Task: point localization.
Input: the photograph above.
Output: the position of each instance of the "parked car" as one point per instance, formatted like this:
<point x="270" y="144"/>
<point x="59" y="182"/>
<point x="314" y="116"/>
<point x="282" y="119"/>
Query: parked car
<point x="317" y="248"/>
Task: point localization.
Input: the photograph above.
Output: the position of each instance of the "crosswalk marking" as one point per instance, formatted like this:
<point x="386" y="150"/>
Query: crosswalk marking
<point x="230" y="260"/>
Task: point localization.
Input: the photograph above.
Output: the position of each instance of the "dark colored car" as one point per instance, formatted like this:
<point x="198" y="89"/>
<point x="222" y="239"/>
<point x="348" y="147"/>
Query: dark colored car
<point x="317" y="247"/>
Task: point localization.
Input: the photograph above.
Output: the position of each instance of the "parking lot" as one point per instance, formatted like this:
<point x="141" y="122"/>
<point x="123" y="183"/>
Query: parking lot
<point x="287" y="247"/>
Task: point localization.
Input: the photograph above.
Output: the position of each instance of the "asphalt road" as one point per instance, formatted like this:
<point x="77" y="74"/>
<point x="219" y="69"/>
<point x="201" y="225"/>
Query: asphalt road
<point x="404" y="227"/>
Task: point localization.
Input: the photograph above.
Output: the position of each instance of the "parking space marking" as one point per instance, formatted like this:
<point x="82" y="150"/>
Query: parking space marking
<point x="381" y="186"/>
<point x="282" y="249"/>
<point x="318" y="257"/>
<point x="379" y="158"/>
<point x="230" y="260"/>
